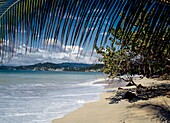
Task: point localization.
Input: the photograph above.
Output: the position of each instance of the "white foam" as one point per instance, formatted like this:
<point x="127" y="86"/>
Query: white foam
<point x="75" y="95"/>
<point x="81" y="101"/>
<point x="20" y="114"/>
<point x="92" y="82"/>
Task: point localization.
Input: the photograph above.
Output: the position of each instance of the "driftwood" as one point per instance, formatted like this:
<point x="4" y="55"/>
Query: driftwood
<point x="141" y="93"/>
<point x="129" y="95"/>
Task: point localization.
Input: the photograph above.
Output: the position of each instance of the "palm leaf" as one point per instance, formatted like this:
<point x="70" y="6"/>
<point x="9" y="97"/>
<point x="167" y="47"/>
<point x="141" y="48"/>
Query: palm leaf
<point x="41" y="23"/>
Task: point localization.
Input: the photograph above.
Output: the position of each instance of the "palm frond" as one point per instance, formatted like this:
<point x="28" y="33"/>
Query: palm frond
<point x="42" y="23"/>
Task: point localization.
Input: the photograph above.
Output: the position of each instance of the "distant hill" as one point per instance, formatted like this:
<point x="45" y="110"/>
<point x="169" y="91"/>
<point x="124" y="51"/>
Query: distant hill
<point x="57" y="67"/>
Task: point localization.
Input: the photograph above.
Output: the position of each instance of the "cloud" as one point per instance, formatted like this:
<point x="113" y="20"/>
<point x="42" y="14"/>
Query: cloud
<point x="90" y="29"/>
<point x="69" y="54"/>
<point x="58" y="54"/>
<point x="104" y="33"/>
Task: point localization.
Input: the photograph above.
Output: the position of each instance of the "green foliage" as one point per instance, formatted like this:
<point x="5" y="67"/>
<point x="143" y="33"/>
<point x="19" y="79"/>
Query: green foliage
<point x="143" y="57"/>
<point x="115" y="61"/>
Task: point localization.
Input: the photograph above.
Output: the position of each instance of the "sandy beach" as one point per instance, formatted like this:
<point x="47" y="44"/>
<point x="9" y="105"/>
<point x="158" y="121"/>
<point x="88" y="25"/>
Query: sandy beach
<point x="143" y="111"/>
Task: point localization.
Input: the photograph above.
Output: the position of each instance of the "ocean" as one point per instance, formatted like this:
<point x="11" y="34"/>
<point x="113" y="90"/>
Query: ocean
<point x="41" y="96"/>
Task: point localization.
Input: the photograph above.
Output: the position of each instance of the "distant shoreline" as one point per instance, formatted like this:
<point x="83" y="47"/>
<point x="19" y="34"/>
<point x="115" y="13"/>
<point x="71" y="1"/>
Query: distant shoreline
<point x="49" y="71"/>
<point x="57" y="67"/>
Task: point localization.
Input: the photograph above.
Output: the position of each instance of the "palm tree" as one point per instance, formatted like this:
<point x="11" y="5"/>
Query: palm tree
<point x="38" y="23"/>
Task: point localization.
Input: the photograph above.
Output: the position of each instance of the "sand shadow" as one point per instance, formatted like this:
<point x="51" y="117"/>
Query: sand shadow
<point x="162" y="111"/>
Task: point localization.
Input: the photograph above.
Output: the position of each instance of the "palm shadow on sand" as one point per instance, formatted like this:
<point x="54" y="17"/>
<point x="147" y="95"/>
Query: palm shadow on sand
<point x="146" y="93"/>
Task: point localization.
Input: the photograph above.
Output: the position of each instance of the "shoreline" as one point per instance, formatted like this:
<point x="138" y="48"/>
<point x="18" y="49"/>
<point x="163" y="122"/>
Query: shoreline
<point x="88" y="112"/>
<point x="124" y="112"/>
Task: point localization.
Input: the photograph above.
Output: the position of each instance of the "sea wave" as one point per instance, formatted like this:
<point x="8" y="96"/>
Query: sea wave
<point x="75" y="95"/>
<point x="40" y="99"/>
<point x="96" y="82"/>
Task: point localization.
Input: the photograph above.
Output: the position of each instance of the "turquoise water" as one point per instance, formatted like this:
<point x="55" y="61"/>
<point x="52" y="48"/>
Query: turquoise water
<point x="39" y="96"/>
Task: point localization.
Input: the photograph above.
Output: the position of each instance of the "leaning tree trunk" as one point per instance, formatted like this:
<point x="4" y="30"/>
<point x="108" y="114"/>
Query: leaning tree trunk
<point x="130" y="80"/>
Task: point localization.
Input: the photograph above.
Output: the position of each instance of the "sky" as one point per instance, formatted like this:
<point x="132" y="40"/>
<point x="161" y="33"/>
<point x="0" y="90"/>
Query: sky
<point x="57" y="55"/>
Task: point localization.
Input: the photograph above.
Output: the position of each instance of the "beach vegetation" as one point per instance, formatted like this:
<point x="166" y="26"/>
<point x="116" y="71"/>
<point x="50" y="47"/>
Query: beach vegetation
<point x="144" y="57"/>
